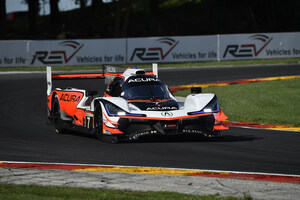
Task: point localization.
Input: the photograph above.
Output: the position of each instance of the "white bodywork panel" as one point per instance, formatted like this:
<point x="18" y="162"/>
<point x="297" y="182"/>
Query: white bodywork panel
<point x="197" y="101"/>
<point x="118" y="101"/>
<point x="192" y="103"/>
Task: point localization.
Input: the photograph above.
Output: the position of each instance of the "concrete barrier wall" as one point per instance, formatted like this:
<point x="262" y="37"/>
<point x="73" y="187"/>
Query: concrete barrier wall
<point x="148" y="50"/>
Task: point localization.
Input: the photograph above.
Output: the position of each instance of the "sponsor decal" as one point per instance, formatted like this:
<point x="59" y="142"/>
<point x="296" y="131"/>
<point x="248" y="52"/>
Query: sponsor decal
<point x="248" y="50"/>
<point x="107" y="132"/>
<point x="155" y="52"/>
<point x="170" y="125"/>
<point x="136" y="136"/>
<point x="191" y="131"/>
<point x="69" y="98"/>
<point x="139" y="80"/>
<point x="162" y="108"/>
<point x="60" y="56"/>
<point x="167" y="114"/>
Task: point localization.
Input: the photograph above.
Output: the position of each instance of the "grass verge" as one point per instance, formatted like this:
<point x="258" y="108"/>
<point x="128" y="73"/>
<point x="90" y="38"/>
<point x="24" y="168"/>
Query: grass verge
<point x="193" y="64"/>
<point x="274" y="102"/>
<point x="12" y="192"/>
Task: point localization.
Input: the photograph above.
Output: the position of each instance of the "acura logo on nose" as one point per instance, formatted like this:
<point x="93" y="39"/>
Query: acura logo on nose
<point x="167" y="114"/>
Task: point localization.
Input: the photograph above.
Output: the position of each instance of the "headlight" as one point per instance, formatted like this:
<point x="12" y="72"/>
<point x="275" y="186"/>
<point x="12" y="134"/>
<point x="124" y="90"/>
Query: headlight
<point x="212" y="106"/>
<point x="207" y="110"/>
<point x="114" y="110"/>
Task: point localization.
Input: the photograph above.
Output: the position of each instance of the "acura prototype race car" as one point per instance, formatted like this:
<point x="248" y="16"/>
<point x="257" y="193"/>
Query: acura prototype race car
<point x="135" y="103"/>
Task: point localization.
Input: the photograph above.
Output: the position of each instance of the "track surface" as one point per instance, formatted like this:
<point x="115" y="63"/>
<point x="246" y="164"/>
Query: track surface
<point x="24" y="135"/>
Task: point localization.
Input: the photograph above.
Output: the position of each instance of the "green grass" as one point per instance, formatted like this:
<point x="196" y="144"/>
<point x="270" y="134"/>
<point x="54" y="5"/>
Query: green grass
<point x="193" y="64"/>
<point x="20" y="192"/>
<point x="274" y="102"/>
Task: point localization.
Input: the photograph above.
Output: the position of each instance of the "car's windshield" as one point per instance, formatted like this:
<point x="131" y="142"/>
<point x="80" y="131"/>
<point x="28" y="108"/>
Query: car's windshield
<point x="144" y="89"/>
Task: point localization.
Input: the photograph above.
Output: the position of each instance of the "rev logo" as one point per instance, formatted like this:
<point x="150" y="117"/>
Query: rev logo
<point x="155" y="52"/>
<point x="248" y="50"/>
<point x="61" y="56"/>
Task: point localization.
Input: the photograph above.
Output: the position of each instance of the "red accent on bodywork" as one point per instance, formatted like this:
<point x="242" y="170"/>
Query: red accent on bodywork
<point x="68" y="101"/>
<point x="112" y="122"/>
<point x="107" y="95"/>
<point x="148" y="100"/>
<point x="221" y="116"/>
<point x="90" y="75"/>
<point x="220" y="127"/>
<point x="85" y="75"/>
<point x="112" y="130"/>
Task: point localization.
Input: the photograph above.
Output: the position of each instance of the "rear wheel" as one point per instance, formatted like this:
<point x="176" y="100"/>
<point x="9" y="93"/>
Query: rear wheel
<point x="56" y="116"/>
<point x="98" y="122"/>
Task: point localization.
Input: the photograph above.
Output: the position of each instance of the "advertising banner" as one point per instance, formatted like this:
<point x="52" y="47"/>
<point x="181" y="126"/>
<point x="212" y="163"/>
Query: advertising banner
<point x="14" y="53"/>
<point x="149" y="50"/>
<point x="63" y="52"/>
<point x="260" y="46"/>
<point x="172" y="49"/>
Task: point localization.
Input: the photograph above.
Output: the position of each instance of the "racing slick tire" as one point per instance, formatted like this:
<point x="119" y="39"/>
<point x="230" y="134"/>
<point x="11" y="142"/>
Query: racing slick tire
<point x="57" y="121"/>
<point x="218" y="134"/>
<point x="98" y="122"/>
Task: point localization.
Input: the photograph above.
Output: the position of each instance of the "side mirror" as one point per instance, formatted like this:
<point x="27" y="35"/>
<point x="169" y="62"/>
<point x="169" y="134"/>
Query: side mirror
<point x="196" y="90"/>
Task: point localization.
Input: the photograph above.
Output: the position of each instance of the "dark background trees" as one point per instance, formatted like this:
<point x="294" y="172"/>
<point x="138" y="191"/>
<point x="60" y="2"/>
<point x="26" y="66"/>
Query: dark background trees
<point x="145" y="18"/>
<point x="54" y="17"/>
<point x="33" y="9"/>
<point x="2" y="18"/>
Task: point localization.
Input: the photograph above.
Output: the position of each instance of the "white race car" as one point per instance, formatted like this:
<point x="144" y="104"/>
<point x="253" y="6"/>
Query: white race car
<point x="135" y="103"/>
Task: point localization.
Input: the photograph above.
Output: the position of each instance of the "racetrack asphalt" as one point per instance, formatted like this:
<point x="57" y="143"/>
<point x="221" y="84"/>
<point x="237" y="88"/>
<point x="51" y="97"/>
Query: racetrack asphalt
<point x="25" y="136"/>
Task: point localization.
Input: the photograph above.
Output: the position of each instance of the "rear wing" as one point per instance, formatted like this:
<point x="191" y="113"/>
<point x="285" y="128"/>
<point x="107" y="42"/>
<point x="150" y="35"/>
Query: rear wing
<point x="108" y="73"/>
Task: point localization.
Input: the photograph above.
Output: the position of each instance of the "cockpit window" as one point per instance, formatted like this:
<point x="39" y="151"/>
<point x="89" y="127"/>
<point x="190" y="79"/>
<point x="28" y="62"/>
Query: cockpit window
<point x="114" y="89"/>
<point x="144" y="88"/>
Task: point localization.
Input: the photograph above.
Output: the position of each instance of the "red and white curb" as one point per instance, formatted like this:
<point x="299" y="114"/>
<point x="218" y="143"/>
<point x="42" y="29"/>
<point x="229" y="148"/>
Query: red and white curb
<point x="253" y="176"/>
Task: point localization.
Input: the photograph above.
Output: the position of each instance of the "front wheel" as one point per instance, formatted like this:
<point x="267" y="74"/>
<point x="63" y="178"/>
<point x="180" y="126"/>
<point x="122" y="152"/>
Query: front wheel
<point x="56" y="116"/>
<point x="98" y="122"/>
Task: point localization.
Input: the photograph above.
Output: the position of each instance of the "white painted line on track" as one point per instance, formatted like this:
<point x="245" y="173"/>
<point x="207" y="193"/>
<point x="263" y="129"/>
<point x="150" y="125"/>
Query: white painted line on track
<point x="22" y="72"/>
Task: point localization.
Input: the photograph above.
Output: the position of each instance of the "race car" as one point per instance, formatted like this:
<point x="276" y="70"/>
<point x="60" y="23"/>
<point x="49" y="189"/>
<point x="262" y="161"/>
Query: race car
<point x="135" y="103"/>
